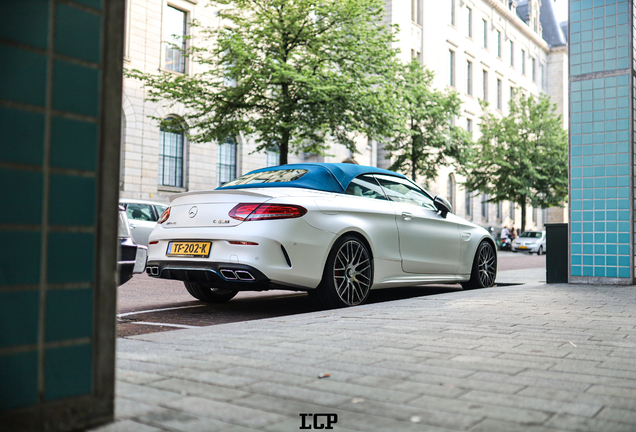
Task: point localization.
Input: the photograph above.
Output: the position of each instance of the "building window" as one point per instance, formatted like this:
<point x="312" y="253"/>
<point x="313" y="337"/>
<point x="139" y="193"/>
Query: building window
<point x="512" y="210"/>
<point x="512" y="92"/>
<point x="468" y="204"/>
<point x="484" y="206"/>
<point x="534" y="215"/>
<point x="175" y="31"/>
<point x="469" y="13"/>
<point x="484" y="79"/>
<point x="451" y="68"/>
<point x="534" y="69"/>
<point x="469" y="77"/>
<point x="226" y="166"/>
<point x="541" y="78"/>
<point x="499" y="95"/>
<point x="452" y="20"/>
<point x="512" y="53"/>
<point x="498" y="44"/>
<point x="485" y="23"/>
<point x="416" y="11"/>
<point x="499" y="206"/>
<point x="523" y="62"/>
<point x="170" y="167"/>
<point x="450" y="190"/>
<point x="469" y="126"/>
<point x="272" y="158"/>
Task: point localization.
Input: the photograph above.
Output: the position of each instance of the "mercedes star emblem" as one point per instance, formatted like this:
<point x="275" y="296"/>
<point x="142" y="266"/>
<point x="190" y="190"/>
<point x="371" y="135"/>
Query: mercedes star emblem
<point x="193" y="211"/>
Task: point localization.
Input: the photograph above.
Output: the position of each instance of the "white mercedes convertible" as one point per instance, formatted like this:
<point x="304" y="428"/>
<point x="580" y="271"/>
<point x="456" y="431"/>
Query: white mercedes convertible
<point x="336" y="231"/>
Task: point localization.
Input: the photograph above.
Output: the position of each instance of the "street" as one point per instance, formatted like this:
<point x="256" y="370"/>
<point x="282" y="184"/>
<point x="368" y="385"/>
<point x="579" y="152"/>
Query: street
<point x="148" y="305"/>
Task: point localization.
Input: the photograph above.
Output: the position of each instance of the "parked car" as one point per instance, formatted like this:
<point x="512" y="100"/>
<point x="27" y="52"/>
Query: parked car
<point x="334" y="230"/>
<point x="143" y="217"/>
<point x="132" y="257"/>
<point x="531" y="242"/>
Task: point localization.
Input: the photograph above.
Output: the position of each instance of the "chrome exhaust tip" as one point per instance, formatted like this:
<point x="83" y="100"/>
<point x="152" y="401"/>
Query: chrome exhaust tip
<point x="152" y="270"/>
<point x="244" y="275"/>
<point x="228" y="274"/>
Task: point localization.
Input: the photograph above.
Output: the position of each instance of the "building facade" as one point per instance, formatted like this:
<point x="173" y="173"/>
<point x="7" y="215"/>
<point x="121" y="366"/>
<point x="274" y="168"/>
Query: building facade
<point x="483" y="49"/>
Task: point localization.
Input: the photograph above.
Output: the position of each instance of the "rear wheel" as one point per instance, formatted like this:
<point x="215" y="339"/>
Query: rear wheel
<point x="347" y="277"/>
<point x="209" y="294"/>
<point x="484" y="268"/>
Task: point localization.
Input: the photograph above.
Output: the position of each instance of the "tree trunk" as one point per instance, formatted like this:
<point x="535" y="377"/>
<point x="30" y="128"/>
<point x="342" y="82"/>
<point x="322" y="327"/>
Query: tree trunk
<point x="522" y="203"/>
<point x="284" y="147"/>
<point x="413" y="156"/>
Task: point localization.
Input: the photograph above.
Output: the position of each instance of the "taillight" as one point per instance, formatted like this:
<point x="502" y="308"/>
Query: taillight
<point x="164" y="216"/>
<point x="252" y="212"/>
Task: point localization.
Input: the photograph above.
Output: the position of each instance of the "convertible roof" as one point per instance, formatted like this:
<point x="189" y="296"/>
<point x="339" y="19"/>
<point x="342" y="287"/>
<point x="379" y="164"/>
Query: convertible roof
<point x="328" y="177"/>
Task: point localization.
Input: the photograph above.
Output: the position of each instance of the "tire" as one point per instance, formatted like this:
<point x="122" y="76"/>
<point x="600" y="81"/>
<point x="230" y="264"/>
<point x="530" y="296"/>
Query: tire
<point x="347" y="277"/>
<point x="209" y="294"/>
<point x="484" y="269"/>
<point x="540" y="251"/>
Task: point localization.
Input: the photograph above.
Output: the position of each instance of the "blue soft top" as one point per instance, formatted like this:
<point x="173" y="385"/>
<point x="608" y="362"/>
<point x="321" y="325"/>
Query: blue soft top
<point x="328" y="177"/>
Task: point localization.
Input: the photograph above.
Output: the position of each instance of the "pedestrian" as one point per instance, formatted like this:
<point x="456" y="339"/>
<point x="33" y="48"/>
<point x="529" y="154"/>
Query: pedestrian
<point x="513" y="233"/>
<point x="505" y="233"/>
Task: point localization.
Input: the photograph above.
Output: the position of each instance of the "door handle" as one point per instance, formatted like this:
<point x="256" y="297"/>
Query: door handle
<point x="407" y="216"/>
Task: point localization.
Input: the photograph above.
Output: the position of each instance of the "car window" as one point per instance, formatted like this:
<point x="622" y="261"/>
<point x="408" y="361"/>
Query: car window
<point x="365" y="186"/>
<point x="531" y="234"/>
<point x="160" y="209"/>
<point x="403" y="191"/>
<point x="140" y="212"/>
<point x="276" y="176"/>
<point x="123" y="225"/>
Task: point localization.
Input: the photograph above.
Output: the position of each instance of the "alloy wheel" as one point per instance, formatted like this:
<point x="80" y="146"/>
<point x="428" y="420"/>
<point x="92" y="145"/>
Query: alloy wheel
<point x="352" y="272"/>
<point x="487" y="266"/>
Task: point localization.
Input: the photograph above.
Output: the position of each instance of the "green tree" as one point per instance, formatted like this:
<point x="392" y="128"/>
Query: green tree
<point x="523" y="156"/>
<point x="296" y="75"/>
<point x="429" y="140"/>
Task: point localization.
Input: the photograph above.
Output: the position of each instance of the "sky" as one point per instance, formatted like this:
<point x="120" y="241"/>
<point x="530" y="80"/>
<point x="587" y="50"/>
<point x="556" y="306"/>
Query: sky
<point x="560" y="9"/>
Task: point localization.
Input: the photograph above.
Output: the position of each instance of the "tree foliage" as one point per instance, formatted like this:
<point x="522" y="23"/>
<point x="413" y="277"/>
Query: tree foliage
<point x="296" y="75"/>
<point x="523" y="156"/>
<point x="428" y="139"/>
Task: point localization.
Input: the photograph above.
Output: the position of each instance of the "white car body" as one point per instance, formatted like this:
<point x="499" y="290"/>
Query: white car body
<point x="531" y="242"/>
<point x="409" y="244"/>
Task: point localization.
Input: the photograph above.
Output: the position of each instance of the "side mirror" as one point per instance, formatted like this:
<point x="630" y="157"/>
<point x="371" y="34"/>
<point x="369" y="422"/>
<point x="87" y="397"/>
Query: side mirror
<point x="442" y="205"/>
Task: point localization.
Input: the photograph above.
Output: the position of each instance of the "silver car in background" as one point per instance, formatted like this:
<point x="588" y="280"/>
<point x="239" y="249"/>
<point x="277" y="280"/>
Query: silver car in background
<point x="531" y="242"/>
<point x="142" y="217"/>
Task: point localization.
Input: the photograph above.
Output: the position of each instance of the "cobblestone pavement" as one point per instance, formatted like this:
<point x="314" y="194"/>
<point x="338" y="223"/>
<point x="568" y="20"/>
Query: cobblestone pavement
<point x="164" y="297"/>
<point x="532" y="358"/>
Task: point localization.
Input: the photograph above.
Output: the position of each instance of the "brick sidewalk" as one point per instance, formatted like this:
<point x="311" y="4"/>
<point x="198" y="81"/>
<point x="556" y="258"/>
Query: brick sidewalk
<point x="524" y="358"/>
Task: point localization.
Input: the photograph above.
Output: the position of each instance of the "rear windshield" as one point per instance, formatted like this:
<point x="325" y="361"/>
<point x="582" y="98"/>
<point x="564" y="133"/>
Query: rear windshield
<point x="278" y="176"/>
<point x="531" y="234"/>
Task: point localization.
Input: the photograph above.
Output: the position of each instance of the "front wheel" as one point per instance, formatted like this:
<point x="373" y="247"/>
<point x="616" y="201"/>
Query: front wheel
<point x="209" y="294"/>
<point x="540" y="251"/>
<point x="347" y="277"/>
<point x="484" y="268"/>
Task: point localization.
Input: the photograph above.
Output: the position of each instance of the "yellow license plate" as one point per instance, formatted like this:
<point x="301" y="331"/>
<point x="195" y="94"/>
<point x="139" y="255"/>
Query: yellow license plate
<point x="523" y="247"/>
<point x="197" y="249"/>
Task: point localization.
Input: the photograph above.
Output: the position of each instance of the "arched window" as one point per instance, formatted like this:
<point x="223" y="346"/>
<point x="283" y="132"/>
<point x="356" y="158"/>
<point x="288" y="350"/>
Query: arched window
<point x="226" y="166"/>
<point x="170" y="169"/>
<point x="450" y="190"/>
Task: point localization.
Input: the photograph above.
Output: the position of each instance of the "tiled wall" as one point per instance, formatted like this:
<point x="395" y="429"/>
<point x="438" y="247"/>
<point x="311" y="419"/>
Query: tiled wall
<point x="601" y="142"/>
<point x="49" y="124"/>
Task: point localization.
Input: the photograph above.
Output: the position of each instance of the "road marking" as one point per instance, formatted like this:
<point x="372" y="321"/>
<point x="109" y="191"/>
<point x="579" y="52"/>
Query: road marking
<point x="157" y="310"/>
<point x="164" y="324"/>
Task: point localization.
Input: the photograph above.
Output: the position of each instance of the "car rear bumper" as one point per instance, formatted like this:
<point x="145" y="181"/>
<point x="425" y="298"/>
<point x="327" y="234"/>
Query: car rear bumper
<point x="234" y="276"/>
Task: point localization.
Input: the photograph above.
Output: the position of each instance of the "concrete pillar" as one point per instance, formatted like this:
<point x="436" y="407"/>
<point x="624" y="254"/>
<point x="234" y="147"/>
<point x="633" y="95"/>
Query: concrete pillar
<point x="601" y="142"/>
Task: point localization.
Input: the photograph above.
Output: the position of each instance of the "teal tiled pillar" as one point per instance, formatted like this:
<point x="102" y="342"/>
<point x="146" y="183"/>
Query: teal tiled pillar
<point x="601" y="141"/>
<point x="60" y="108"/>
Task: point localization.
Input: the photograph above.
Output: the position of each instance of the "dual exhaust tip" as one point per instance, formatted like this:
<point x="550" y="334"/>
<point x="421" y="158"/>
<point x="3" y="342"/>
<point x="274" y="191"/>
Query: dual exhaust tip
<point x="242" y="275"/>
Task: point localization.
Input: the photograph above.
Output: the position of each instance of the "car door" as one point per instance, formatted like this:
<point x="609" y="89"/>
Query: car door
<point x="142" y="221"/>
<point x="429" y="243"/>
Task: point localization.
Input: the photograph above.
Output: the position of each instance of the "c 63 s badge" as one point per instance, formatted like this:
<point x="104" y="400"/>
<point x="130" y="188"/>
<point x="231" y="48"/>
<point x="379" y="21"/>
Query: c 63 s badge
<point x="221" y="221"/>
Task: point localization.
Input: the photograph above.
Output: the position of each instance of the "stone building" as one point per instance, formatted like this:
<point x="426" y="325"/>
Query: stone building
<point x="481" y="48"/>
